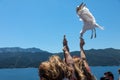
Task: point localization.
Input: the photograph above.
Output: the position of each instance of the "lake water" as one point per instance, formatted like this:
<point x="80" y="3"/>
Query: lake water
<point x="32" y="73"/>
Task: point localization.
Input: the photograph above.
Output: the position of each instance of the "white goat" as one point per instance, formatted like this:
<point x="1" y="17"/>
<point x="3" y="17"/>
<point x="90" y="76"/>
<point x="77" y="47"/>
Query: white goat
<point x="88" y="20"/>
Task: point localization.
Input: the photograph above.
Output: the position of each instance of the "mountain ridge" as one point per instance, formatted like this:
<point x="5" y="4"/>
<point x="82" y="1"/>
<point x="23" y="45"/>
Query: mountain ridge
<point x="25" y="58"/>
<point x="19" y="49"/>
<point x="34" y="49"/>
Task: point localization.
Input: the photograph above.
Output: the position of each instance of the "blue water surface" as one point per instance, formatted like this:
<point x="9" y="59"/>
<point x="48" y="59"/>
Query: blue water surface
<point x="100" y="70"/>
<point x="32" y="73"/>
<point x="19" y="74"/>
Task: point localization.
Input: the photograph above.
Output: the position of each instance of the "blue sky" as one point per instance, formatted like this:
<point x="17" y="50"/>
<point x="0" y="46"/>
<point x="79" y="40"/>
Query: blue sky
<point x="42" y="24"/>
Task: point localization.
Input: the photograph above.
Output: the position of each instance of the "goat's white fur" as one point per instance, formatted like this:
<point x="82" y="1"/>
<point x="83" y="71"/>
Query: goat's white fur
<point x="88" y="20"/>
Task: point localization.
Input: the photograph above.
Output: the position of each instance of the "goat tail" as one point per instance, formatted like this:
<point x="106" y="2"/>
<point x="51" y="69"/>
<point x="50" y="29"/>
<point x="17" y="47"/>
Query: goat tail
<point x="97" y="25"/>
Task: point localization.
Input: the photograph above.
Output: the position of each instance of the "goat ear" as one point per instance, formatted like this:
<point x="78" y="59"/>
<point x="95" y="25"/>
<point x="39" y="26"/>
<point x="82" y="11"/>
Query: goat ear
<point x="84" y="5"/>
<point x="81" y="4"/>
<point x="80" y="7"/>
